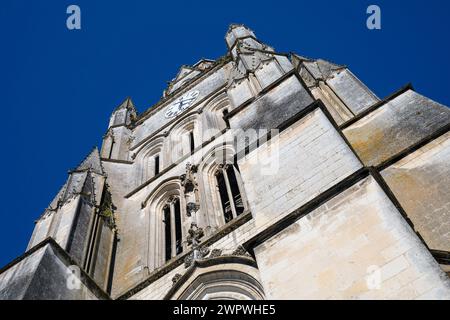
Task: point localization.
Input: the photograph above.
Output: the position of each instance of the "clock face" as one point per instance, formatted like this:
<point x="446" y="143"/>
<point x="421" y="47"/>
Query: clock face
<point x="181" y="104"/>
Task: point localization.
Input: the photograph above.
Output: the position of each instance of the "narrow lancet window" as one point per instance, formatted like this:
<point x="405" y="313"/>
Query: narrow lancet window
<point x="178" y="232"/>
<point x="229" y="190"/>
<point x="235" y="193"/>
<point x="173" y="233"/>
<point x="224" y="198"/>
<point x="225" y="114"/>
<point x="191" y="141"/>
<point x="156" y="165"/>
<point x="168" y="233"/>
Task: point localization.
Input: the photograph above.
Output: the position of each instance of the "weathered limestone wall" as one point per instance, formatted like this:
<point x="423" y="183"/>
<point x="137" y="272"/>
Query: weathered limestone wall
<point x="396" y="126"/>
<point x="421" y="182"/>
<point x="342" y="248"/>
<point x="343" y="94"/>
<point x="327" y="252"/>
<point x="356" y="96"/>
<point x="308" y="130"/>
<point x="303" y="161"/>
<point x="77" y="242"/>
<point x="41" y="229"/>
<point x="273" y="108"/>
<point x="58" y="223"/>
<point x="103" y="252"/>
<point x="334" y="105"/>
<point x="128" y="264"/>
<point x="44" y="274"/>
<point x="290" y="174"/>
<point x="15" y="280"/>
<point x="63" y="221"/>
<point x="360" y="249"/>
<point x="133" y="257"/>
<point x="120" y="148"/>
<point x="227" y="244"/>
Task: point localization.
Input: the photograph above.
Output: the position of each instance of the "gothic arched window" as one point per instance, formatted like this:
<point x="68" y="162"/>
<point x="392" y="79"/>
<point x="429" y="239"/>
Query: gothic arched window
<point x="191" y="141"/>
<point x="150" y="159"/>
<point x="229" y="192"/>
<point x="173" y="245"/>
<point x="152" y="164"/>
<point x="184" y="137"/>
<point x="156" y="164"/>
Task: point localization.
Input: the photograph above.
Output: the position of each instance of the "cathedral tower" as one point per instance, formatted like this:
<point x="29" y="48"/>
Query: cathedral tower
<point x="258" y="175"/>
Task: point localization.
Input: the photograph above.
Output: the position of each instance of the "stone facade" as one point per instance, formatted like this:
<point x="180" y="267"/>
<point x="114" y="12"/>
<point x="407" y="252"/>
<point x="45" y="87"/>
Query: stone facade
<point x="258" y="175"/>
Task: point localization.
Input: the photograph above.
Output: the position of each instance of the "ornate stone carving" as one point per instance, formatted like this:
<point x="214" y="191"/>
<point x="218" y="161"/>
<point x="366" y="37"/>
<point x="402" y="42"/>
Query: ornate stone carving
<point x="176" y="278"/>
<point x="205" y="65"/>
<point x="194" y="235"/>
<point x="171" y="199"/>
<point x="240" y="251"/>
<point x="188" y="179"/>
<point x="130" y="140"/>
<point x="189" y="183"/>
<point x="249" y="55"/>
<point x="221" y="167"/>
<point x="191" y="207"/>
<point x="215" y="253"/>
<point x="197" y="254"/>
<point x="188" y="260"/>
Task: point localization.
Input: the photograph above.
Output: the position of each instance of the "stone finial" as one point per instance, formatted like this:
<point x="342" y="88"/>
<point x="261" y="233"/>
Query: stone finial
<point x="237" y="31"/>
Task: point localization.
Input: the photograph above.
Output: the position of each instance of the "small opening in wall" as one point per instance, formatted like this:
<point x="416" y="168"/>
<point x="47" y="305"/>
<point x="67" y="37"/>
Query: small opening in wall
<point x="167" y="231"/>
<point x="225" y="114"/>
<point x="224" y="199"/>
<point x="191" y="141"/>
<point x="235" y="193"/>
<point x="178" y="233"/>
<point x="156" y="165"/>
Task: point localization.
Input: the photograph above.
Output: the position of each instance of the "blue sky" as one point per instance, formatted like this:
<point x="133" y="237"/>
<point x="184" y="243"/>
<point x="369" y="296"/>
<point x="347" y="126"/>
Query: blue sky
<point x="58" y="87"/>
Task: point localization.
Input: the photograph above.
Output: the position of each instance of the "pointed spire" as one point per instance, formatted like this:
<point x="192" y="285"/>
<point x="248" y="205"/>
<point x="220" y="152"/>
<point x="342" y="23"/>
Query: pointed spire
<point x="124" y="114"/>
<point x="126" y="104"/>
<point x="92" y="162"/>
